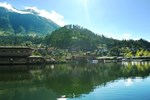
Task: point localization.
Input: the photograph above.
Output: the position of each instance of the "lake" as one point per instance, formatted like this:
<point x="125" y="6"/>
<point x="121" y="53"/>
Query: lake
<point x="104" y="81"/>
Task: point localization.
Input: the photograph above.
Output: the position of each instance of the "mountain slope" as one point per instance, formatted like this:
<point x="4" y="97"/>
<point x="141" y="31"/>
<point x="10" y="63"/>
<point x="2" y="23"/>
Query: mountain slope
<point x="27" y="23"/>
<point x="73" y="37"/>
<point x="76" y="37"/>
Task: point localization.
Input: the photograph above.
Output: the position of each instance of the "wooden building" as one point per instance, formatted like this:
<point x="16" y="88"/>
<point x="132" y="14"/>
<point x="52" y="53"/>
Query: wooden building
<point x="17" y="51"/>
<point x="18" y="55"/>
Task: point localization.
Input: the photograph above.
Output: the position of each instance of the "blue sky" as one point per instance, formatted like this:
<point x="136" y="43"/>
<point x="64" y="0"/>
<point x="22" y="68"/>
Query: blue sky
<point x="120" y="19"/>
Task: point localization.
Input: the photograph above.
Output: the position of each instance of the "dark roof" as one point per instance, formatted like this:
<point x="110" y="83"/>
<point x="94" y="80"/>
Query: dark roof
<point x="14" y="47"/>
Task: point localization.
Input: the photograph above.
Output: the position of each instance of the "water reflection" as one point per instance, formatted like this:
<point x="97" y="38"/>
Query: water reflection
<point x="59" y="82"/>
<point x="130" y="81"/>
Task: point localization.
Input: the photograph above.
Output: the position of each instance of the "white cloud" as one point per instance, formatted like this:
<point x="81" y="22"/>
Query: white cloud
<point x="53" y="15"/>
<point x="9" y="7"/>
<point x="113" y="35"/>
<point x="128" y="82"/>
<point x="61" y="99"/>
<point x="126" y="36"/>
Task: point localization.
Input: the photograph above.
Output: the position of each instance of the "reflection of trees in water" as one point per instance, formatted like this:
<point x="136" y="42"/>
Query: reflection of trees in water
<point x="74" y="79"/>
<point x="23" y="93"/>
<point x="79" y="79"/>
<point x="22" y="82"/>
<point x="136" y="69"/>
<point x="17" y="72"/>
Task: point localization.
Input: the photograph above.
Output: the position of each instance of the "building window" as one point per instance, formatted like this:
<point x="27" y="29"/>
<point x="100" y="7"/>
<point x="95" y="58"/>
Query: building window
<point x="18" y="51"/>
<point x="11" y="59"/>
<point x="3" y="51"/>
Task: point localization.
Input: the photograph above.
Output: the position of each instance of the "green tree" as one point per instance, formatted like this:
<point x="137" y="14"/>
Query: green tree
<point x="140" y="53"/>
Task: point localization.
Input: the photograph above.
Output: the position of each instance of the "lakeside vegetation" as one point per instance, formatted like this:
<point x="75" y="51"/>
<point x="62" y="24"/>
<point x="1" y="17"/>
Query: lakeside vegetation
<point x="73" y="40"/>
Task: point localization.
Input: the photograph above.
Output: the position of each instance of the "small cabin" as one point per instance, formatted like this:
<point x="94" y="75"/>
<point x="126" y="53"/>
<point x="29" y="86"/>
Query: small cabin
<point x="15" y="51"/>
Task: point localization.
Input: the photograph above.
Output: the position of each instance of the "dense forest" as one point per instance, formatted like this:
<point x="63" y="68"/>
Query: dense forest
<point x="79" y="39"/>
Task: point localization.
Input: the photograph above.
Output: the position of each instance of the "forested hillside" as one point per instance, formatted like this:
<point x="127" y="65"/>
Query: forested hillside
<point x="76" y="38"/>
<point x="24" y="24"/>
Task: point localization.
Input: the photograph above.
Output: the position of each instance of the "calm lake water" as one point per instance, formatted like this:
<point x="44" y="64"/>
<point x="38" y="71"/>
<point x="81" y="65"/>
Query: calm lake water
<point x="111" y="81"/>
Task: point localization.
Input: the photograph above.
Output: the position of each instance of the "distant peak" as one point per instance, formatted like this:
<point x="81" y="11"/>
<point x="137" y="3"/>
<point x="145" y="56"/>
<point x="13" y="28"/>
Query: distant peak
<point x="52" y="16"/>
<point x="11" y="8"/>
<point x="32" y="10"/>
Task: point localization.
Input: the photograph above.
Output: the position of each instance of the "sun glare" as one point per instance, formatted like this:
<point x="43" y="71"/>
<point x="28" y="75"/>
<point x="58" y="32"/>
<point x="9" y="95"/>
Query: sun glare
<point x="85" y="5"/>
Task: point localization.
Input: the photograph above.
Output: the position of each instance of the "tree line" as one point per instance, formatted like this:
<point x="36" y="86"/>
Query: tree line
<point x="76" y="38"/>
